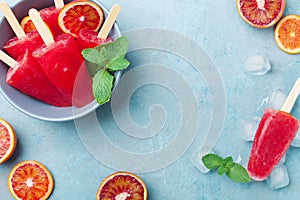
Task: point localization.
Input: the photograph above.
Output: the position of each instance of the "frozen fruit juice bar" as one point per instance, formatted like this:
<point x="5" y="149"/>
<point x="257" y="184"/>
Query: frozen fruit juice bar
<point x="274" y="135"/>
<point x="50" y="17"/>
<point x="27" y="76"/>
<point x="16" y="47"/>
<point x="89" y="39"/>
<point x="61" y="62"/>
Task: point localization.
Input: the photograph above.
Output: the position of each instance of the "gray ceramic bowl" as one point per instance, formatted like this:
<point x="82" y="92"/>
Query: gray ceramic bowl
<point x="26" y="103"/>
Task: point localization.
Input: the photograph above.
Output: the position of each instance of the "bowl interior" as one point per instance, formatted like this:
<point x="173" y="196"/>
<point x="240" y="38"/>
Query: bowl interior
<point x="26" y="103"/>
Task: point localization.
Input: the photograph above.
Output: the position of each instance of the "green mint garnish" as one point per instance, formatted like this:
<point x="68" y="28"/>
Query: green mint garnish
<point x="226" y="166"/>
<point x="102" y="61"/>
<point x="212" y="161"/>
<point x="102" y="86"/>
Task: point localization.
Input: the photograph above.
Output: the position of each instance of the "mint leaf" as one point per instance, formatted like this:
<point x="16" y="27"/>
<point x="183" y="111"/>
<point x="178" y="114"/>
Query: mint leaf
<point x="227" y="162"/>
<point x="233" y="170"/>
<point x="115" y="49"/>
<point x="212" y="161"/>
<point x="222" y="170"/>
<point x="93" y="68"/>
<point x="93" y="55"/>
<point x="102" y="86"/>
<point x="118" y="64"/>
<point x="225" y="165"/>
<point x="103" y="60"/>
<point x="238" y="173"/>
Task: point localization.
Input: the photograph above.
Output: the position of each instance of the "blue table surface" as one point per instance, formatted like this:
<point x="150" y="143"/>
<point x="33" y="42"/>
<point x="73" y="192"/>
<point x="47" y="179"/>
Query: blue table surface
<point x="217" y="28"/>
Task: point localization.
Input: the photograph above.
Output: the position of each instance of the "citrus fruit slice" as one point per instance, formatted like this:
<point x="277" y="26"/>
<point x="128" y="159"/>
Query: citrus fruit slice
<point x="287" y="34"/>
<point x="27" y="24"/>
<point x="8" y="141"/>
<point x="30" y="180"/>
<point x="79" y="15"/>
<point x="261" y="13"/>
<point x="122" y="186"/>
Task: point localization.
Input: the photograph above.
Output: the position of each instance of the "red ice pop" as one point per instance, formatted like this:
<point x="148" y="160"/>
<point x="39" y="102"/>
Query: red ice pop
<point x="27" y="76"/>
<point x="274" y="135"/>
<point x="63" y="64"/>
<point x="50" y="17"/>
<point x="17" y="46"/>
<point x="91" y="39"/>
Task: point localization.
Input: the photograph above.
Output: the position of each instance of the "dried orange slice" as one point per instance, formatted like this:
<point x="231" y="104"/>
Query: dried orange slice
<point x="261" y="13"/>
<point x="27" y="24"/>
<point x="287" y="34"/>
<point x="122" y="185"/>
<point x="8" y="140"/>
<point x="30" y="180"/>
<point x="79" y="15"/>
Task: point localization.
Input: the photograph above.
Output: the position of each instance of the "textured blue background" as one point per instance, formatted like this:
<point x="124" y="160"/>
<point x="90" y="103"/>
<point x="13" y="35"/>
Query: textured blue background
<point x="218" y="29"/>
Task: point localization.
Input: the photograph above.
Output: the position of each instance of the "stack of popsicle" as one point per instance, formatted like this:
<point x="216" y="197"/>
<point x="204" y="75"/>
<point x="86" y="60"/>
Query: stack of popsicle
<point x="274" y="135"/>
<point x="47" y="68"/>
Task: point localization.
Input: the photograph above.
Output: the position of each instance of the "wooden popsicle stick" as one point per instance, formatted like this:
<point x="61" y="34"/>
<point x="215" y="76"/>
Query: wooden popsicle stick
<point x="59" y="4"/>
<point x="12" y="20"/>
<point x="41" y="27"/>
<point x="7" y="59"/>
<point x="109" y="22"/>
<point x="292" y="97"/>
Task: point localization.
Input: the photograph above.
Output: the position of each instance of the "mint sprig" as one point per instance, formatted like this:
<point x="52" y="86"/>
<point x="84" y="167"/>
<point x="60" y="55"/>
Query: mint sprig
<point x="234" y="171"/>
<point x="102" y="61"/>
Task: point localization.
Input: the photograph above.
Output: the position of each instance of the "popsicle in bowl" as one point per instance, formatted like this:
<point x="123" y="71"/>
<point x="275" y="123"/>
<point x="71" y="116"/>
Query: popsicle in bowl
<point x="17" y="46"/>
<point x="274" y="135"/>
<point x="50" y="17"/>
<point x="26" y="75"/>
<point x="63" y="64"/>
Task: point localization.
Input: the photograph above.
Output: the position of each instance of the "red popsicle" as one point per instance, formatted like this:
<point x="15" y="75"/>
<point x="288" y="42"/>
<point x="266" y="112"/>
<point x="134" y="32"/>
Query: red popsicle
<point x="274" y="135"/>
<point x="17" y="46"/>
<point x="27" y="76"/>
<point x="91" y="39"/>
<point x="50" y="17"/>
<point x="63" y="64"/>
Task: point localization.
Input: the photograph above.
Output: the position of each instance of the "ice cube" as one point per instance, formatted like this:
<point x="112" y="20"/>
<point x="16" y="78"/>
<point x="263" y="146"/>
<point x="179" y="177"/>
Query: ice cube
<point x="257" y="65"/>
<point x="277" y="99"/>
<point x="197" y="160"/>
<point x="296" y="141"/>
<point x="248" y="128"/>
<point x="279" y="178"/>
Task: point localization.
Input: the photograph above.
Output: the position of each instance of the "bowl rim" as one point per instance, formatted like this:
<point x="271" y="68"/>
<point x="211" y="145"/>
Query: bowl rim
<point x="75" y="113"/>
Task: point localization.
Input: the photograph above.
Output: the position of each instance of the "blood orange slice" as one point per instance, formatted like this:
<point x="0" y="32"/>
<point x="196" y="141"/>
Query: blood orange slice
<point x="261" y="13"/>
<point x="30" y="180"/>
<point x="8" y="141"/>
<point x="27" y="24"/>
<point x="122" y="186"/>
<point x="287" y="34"/>
<point x="79" y="15"/>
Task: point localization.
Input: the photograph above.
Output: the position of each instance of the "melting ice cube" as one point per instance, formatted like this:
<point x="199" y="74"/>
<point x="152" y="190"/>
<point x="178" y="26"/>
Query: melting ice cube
<point x="279" y="178"/>
<point x="248" y="128"/>
<point x="277" y="99"/>
<point x="197" y="160"/>
<point x="257" y="65"/>
<point x="296" y="141"/>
